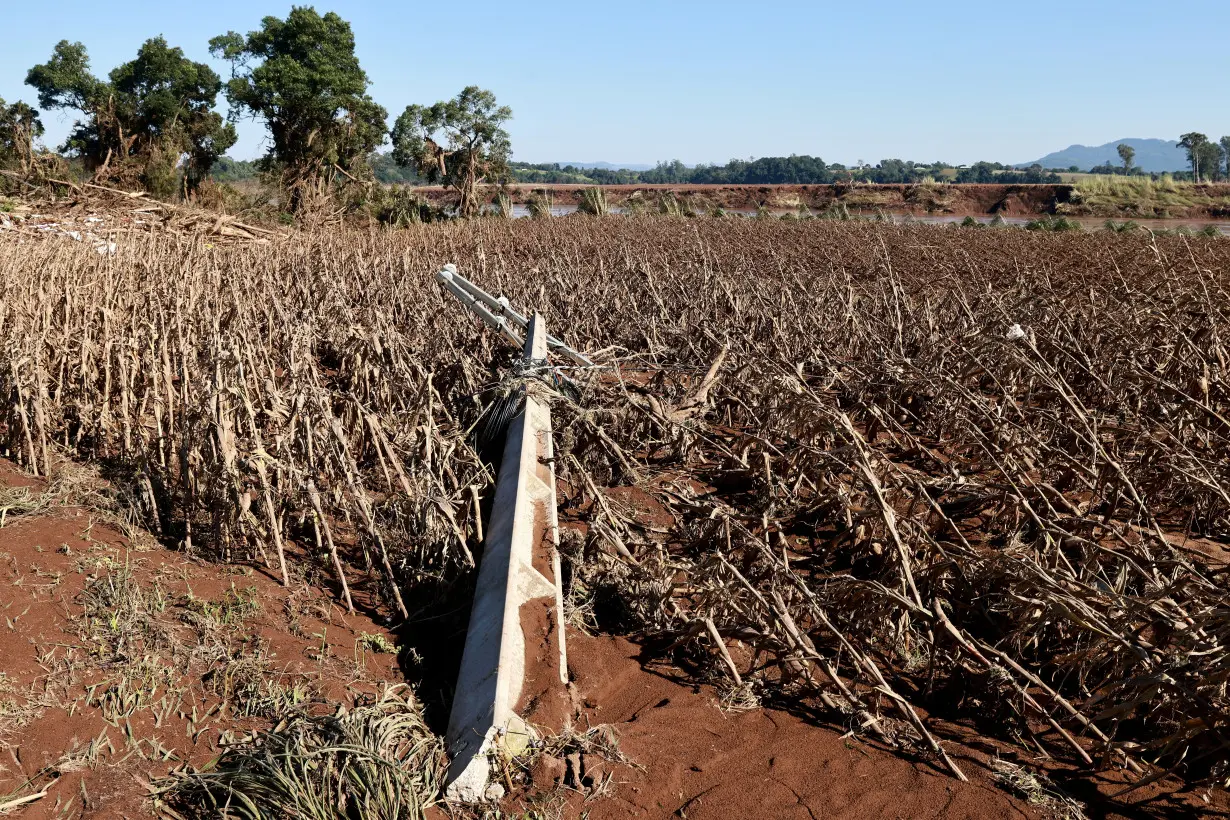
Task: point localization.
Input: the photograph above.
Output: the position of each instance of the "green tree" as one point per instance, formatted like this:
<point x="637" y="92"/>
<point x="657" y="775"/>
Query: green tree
<point x="301" y="76"/>
<point x="1128" y="154"/>
<point x="65" y="82"/>
<point x="19" y="128"/>
<point x="459" y="142"/>
<point x="168" y="100"/>
<point x="1225" y="152"/>
<point x="154" y="114"/>
<point x="1192" y="142"/>
<point x="1210" y="157"/>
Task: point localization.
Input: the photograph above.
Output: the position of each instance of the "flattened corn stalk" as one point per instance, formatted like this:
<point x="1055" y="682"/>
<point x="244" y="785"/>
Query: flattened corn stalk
<point x="869" y="495"/>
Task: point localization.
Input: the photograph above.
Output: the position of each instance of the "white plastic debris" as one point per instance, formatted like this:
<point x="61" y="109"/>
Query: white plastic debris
<point x="1016" y="333"/>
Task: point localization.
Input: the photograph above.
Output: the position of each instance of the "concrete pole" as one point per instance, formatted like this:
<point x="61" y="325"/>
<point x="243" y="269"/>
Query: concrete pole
<point x="523" y="526"/>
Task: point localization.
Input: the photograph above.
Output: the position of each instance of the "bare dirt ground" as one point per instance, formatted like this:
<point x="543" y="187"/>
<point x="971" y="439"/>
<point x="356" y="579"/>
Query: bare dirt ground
<point x="125" y="661"/>
<point x="122" y="660"/>
<point x="697" y="760"/>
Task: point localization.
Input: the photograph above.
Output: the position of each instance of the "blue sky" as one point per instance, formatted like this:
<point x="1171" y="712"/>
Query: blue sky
<point x="709" y="81"/>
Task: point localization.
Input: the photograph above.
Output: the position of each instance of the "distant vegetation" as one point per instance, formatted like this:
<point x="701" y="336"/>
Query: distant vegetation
<point x="1137" y="195"/>
<point x="457" y="143"/>
<point x="792" y="170"/>
<point x="301" y="76"/>
<point x="383" y="167"/>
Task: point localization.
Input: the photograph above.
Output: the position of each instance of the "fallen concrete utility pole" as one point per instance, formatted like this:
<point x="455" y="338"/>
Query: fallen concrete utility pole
<point x="520" y="565"/>
<point x="498" y="313"/>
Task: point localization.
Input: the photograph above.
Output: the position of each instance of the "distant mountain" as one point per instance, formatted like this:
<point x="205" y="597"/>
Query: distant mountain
<point x="609" y="166"/>
<point x="1152" y="155"/>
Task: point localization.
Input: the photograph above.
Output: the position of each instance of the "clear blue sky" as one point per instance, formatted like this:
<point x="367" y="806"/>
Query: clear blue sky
<point x="709" y="81"/>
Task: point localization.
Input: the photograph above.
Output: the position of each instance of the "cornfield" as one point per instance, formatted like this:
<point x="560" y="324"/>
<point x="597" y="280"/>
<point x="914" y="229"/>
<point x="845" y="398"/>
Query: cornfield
<point x="911" y="472"/>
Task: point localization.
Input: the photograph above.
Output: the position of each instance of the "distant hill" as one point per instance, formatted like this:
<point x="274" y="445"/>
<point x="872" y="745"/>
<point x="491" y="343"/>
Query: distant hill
<point x="1152" y="155"/>
<point x="608" y="166"/>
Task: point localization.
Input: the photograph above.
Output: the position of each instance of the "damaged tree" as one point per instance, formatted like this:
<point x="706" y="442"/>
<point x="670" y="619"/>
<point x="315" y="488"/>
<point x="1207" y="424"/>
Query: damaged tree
<point x="149" y="122"/>
<point x="478" y="147"/>
<point x="308" y="87"/>
<point x="19" y="128"/>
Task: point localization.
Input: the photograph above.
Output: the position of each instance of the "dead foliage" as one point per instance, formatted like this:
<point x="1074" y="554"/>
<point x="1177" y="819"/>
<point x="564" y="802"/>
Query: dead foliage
<point x="375" y="759"/>
<point x="101" y="217"/>
<point x="897" y="470"/>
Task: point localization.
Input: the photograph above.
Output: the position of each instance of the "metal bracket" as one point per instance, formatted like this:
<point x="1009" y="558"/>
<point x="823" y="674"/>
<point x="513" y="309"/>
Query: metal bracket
<point x="498" y="314"/>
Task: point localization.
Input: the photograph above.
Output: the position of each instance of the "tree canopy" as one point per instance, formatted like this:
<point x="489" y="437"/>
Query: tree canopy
<point x="458" y="142"/>
<point x="1193" y="141"/>
<point x="301" y="76"/>
<point x="20" y="126"/>
<point x="152" y="112"/>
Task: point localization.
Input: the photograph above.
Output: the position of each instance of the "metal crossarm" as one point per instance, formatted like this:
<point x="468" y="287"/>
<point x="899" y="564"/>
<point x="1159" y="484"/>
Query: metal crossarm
<point x="497" y="313"/>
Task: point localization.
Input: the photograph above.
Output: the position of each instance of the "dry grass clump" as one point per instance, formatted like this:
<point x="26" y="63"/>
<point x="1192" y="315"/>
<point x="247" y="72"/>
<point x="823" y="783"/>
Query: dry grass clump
<point x="248" y="685"/>
<point x="120" y="615"/>
<point x="15" y="501"/>
<point x="593" y="202"/>
<point x="1143" y="196"/>
<point x="1036" y="789"/>
<point x="374" y="760"/>
<point x="983" y="473"/>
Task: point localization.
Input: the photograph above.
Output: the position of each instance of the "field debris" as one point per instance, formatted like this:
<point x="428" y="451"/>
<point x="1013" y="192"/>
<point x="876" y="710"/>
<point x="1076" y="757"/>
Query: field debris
<point x="101" y="217"/>
<point x="1038" y="790"/>
<point x="376" y="759"/>
<point x="813" y="472"/>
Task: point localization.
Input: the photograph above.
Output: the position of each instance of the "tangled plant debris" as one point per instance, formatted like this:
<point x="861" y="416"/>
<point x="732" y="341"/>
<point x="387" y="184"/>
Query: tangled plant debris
<point x="375" y="760"/>
<point x="102" y="217"/>
<point x="813" y="464"/>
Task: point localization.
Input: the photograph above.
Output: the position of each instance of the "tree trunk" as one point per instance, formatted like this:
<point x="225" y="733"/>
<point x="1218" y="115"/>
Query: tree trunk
<point x="469" y="183"/>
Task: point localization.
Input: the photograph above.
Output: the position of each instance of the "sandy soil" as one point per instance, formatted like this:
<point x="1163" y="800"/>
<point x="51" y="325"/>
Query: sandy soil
<point x="702" y="762"/>
<point x="688" y="755"/>
<point x="90" y="720"/>
<point x="90" y="726"/>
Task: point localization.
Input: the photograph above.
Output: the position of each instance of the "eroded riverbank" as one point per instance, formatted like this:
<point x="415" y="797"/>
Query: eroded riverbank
<point x="1141" y="199"/>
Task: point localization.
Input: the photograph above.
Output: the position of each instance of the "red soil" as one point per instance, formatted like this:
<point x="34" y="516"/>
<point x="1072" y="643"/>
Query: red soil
<point x="700" y="762"/>
<point x="687" y="757"/>
<point x="55" y="733"/>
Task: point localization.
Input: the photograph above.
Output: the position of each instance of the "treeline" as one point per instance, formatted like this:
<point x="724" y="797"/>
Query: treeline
<point x="1209" y="161"/>
<point x="384" y="169"/>
<point x="792" y="170"/>
<point x="152" y="123"/>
